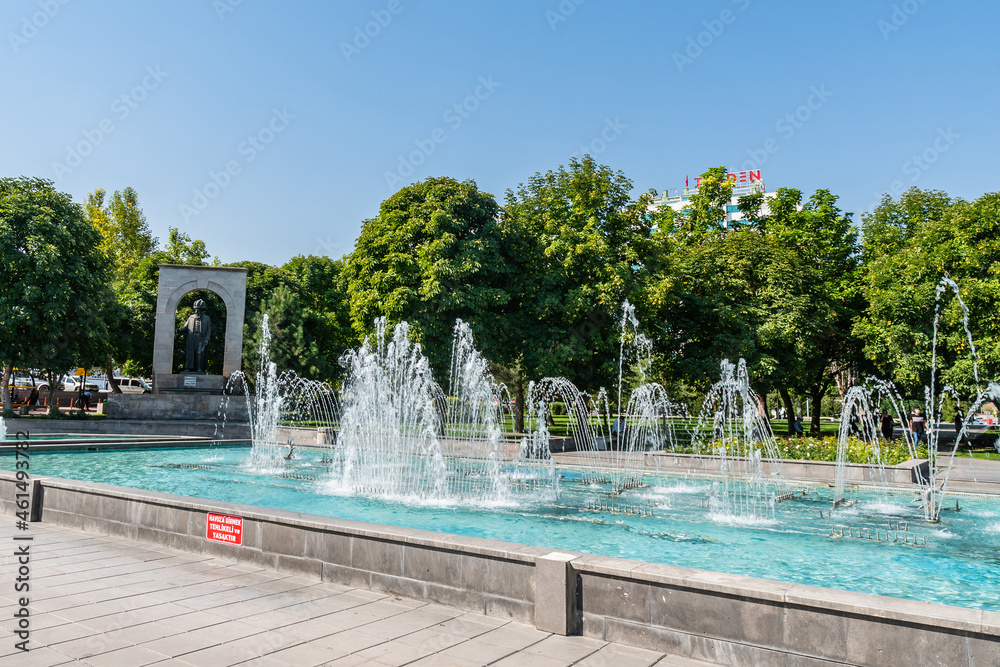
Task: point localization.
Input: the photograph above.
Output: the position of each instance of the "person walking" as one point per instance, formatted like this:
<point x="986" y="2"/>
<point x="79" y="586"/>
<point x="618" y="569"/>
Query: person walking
<point x="918" y="427"/>
<point x="958" y="426"/>
<point x="886" y="425"/>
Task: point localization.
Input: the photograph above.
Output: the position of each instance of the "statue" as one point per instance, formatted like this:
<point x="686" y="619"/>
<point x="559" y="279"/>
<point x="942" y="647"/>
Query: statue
<point x="198" y="329"/>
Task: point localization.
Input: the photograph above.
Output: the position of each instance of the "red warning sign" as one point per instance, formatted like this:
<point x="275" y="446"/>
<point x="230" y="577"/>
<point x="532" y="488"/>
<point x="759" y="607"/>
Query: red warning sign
<point x="222" y="528"/>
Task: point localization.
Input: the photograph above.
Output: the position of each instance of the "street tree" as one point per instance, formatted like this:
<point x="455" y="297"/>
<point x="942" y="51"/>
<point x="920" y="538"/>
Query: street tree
<point x="126" y="241"/>
<point x="581" y="246"/>
<point x="55" y="293"/>
<point x="910" y="244"/>
<point x="431" y="256"/>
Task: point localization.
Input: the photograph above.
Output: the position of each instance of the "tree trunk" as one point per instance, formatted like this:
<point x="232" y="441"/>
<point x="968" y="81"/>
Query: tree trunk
<point x="786" y="399"/>
<point x="8" y="404"/>
<point x="817" y="402"/>
<point x="53" y="408"/>
<point x="762" y="408"/>
<point x="112" y="382"/>
<point x="518" y="402"/>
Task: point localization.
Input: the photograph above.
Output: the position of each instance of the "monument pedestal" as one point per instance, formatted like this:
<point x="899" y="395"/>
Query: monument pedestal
<point x="188" y="407"/>
<point x="188" y="383"/>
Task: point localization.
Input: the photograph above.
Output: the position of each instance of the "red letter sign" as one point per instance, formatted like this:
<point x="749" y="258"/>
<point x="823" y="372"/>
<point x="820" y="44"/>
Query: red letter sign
<point x="226" y="529"/>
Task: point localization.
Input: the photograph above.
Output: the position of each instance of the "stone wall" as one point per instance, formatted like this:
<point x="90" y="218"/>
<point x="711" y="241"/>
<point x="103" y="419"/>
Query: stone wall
<point x="196" y="407"/>
<point x="719" y="618"/>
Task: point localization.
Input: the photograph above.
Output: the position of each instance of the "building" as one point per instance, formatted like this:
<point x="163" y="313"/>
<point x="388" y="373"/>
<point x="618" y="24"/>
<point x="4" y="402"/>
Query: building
<point x="744" y="183"/>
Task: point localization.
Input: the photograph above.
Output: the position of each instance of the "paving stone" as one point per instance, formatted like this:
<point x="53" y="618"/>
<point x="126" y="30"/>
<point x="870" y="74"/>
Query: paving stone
<point x="615" y="655"/>
<point x="394" y="654"/>
<point x="572" y="648"/>
<point x="306" y="655"/>
<point x="525" y="659"/>
<point x="60" y="633"/>
<point x="515" y="636"/>
<point x="217" y="656"/>
<point x="165" y="607"/>
<point x="131" y="656"/>
<point x="468" y="625"/>
<point x="433" y="638"/>
<point x="349" y="641"/>
<point x="478" y="650"/>
<point x="36" y="657"/>
<point x="92" y="645"/>
<point x="442" y="660"/>
<point x="267" y="642"/>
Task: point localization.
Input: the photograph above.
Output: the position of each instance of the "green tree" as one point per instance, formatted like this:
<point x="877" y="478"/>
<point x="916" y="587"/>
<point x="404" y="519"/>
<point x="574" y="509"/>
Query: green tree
<point x="910" y="244"/>
<point x="433" y="254"/>
<point x="815" y="317"/>
<point x="581" y="246"/>
<point x="780" y="291"/>
<point x="125" y="241"/>
<point x="55" y="293"/>
<point x="323" y="292"/>
<point x="307" y="306"/>
<point x="126" y="237"/>
<point x="136" y="295"/>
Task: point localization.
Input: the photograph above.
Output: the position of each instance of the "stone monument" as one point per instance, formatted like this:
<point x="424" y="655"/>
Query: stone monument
<point x="199" y="331"/>
<point x="191" y="394"/>
<point x="176" y="281"/>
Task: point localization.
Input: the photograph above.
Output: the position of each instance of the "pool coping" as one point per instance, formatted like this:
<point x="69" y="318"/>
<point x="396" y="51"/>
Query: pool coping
<point x="716" y="617"/>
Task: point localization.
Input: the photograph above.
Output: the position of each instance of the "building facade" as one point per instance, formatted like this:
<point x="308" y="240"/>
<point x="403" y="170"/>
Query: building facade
<point x="744" y="183"/>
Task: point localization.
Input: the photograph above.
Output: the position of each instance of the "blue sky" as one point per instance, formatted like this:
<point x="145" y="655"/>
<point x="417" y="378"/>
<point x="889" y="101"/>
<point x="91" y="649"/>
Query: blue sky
<point x="275" y="129"/>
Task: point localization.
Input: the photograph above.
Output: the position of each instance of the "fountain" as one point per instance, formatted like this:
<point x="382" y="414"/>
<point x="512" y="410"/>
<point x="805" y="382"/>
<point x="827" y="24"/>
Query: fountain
<point x="413" y="454"/>
<point x="401" y="436"/>
<point x="275" y="398"/>
<point x="3" y="429"/>
<point x="753" y="477"/>
<point x="610" y="453"/>
<point x="858" y="418"/>
<point x="932" y="485"/>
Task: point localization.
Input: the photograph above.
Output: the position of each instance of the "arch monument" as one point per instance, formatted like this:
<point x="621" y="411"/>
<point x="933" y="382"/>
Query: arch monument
<point x="176" y="281"/>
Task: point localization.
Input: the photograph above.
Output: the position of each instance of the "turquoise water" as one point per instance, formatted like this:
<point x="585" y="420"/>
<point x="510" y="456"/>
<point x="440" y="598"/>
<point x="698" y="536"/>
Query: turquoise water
<point x="959" y="566"/>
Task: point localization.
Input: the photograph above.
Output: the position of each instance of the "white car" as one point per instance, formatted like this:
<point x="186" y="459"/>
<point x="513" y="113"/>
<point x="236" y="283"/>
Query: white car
<point x="72" y="383"/>
<point x="131" y="386"/>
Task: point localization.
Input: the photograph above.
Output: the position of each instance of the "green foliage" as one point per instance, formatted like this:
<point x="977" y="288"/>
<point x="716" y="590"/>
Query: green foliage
<point x="581" y="246"/>
<point x="54" y="297"/>
<point x="307" y="307"/>
<point x="909" y="245"/>
<point x="825" y="449"/>
<point x="125" y="236"/>
<point x="182" y="250"/>
<point x="431" y="256"/>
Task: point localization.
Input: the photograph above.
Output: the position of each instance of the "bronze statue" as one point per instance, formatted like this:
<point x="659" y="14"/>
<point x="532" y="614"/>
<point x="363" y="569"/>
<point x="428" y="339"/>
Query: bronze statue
<point x="198" y="329"/>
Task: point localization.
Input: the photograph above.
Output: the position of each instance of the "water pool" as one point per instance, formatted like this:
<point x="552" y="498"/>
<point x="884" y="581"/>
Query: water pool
<point x="960" y="565"/>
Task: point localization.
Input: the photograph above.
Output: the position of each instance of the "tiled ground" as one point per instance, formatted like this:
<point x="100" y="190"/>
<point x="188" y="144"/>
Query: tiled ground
<point x="115" y="603"/>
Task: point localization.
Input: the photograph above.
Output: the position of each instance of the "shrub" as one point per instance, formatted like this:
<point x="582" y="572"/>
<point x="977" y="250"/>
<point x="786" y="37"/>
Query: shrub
<point x="825" y="449"/>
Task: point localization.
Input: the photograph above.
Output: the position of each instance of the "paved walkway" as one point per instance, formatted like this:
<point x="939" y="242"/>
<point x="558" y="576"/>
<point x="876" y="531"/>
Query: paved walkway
<point x="105" y="601"/>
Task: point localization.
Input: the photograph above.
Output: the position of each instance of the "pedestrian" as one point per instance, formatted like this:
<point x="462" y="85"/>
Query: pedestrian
<point x="918" y="427"/>
<point x="853" y="427"/>
<point x="797" y="426"/>
<point x="958" y="426"/>
<point x="886" y="425"/>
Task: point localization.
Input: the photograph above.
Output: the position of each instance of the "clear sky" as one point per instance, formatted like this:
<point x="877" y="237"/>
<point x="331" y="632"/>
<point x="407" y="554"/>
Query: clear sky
<point x="271" y="129"/>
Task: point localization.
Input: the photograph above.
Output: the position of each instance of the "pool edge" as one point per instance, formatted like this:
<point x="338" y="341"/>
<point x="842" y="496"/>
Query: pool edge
<point x="716" y="617"/>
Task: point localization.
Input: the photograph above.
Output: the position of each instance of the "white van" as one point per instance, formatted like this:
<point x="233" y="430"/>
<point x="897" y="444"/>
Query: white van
<point x="130" y="386"/>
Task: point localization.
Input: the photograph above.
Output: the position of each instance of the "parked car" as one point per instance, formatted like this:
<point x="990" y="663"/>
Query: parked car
<point x="130" y="386"/>
<point x="25" y="380"/>
<point x="72" y="383"/>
